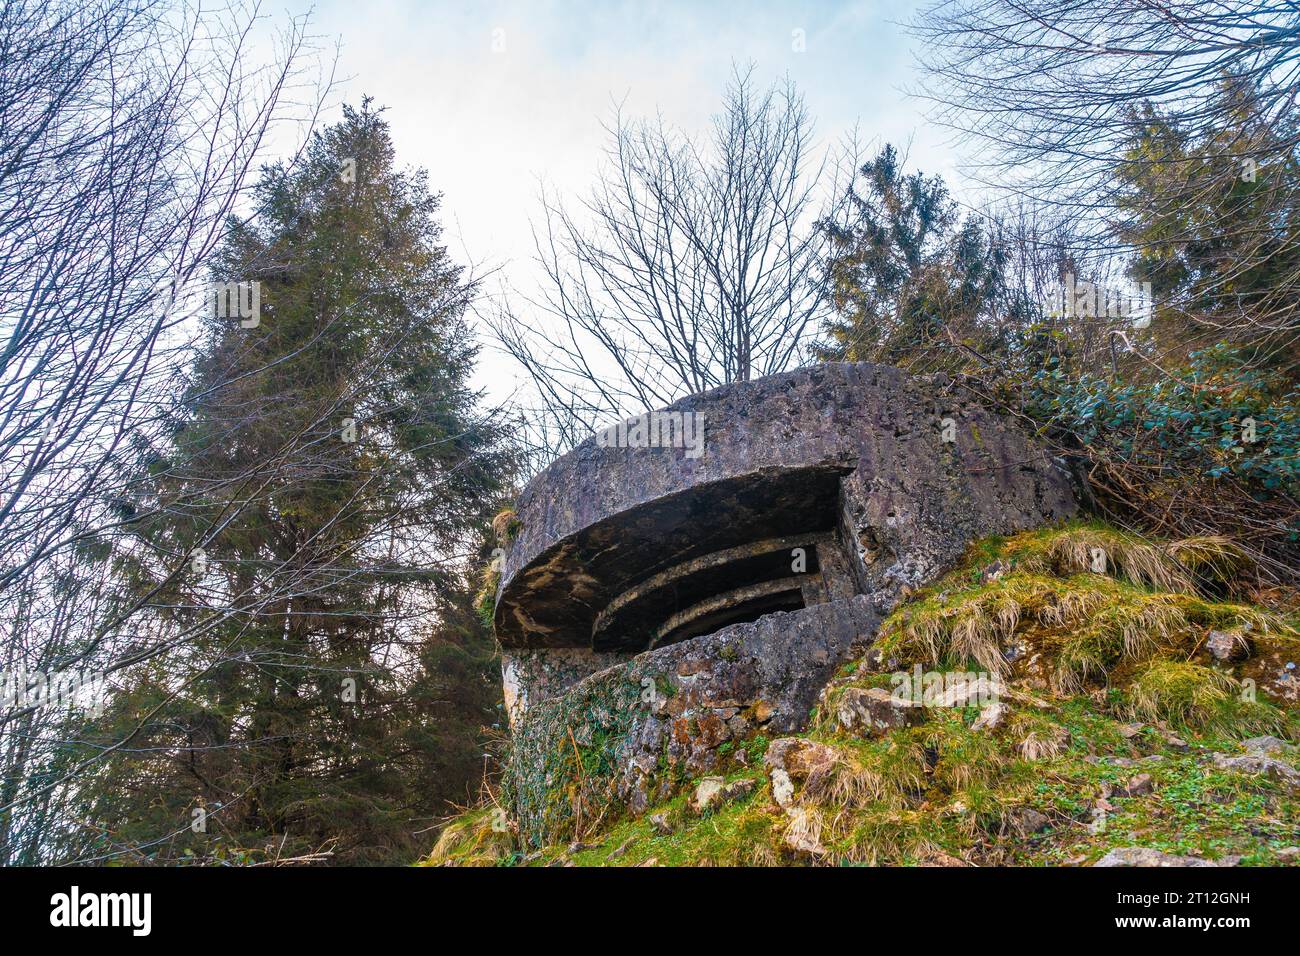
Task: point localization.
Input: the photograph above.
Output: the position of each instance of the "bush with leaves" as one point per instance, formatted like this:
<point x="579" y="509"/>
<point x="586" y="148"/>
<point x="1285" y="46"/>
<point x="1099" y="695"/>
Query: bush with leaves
<point x="1213" y="446"/>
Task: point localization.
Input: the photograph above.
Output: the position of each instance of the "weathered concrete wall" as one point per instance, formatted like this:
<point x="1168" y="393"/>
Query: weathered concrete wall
<point x="530" y="676"/>
<point x="781" y="455"/>
<point x="624" y="738"/>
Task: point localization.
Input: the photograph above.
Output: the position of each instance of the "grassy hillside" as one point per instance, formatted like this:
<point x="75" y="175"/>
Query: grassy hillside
<point x="1146" y="697"/>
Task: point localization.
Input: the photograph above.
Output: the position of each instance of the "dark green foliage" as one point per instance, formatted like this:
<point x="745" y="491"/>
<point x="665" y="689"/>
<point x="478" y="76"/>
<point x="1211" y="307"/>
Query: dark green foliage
<point x="906" y="276"/>
<point x="333" y="687"/>
<point x="1192" y="423"/>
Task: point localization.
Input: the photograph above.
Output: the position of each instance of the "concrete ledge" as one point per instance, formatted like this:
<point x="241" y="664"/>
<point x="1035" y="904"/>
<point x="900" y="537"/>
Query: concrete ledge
<point x="903" y="472"/>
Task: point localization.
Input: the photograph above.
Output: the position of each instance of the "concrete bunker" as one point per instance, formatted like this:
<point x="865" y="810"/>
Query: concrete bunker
<point x="817" y="487"/>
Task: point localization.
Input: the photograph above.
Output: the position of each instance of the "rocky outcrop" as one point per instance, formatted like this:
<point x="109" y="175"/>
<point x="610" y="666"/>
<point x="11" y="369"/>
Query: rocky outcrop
<point x="704" y="752"/>
<point x="626" y="737"/>
<point x="796" y="489"/>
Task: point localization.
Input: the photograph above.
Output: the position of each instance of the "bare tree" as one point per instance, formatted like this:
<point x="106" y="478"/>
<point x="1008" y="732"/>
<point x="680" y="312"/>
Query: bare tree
<point x="1182" y="115"/>
<point x="692" y="265"/>
<point x="127" y="131"/>
<point x="1157" y="142"/>
<point x="1052" y="84"/>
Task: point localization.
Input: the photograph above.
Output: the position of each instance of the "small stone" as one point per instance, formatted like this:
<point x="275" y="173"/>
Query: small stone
<point x="1139" y="785"/>
<point x="802" y="834"/>
<point x="874" y="660"/>
<point x="1129" y="731"/>
<point x="1145" y="856"/>
<point x="1289" y="854"/>
<point x="1266" y="745"/>
<point x="969" y="693"/>
<point x="1027" y="821"/>
<point x="1172" y="740"/>
<point x="872" y="711"/>
<point x="939" y="858"/>
<point x="995" y="570"/>
<point x="1228" y="645"/>
<point x="706" y="792"/>
<point x="621" y="849"/>
<point x="800" y="758"/>
<point x="712" y="792"/>
<point x="782" y="788"/>
<point x="660" y="823"/>
<point x="991" y="717"/>
<point x="1260" y="764"/>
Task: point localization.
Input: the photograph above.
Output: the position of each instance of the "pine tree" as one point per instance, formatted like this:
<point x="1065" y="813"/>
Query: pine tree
<point x="309" y="532"/>
<point x="1214" y="222"/>
<point x="908" y="280"/>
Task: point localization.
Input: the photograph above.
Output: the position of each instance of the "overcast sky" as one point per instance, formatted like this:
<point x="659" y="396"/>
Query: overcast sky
<point x="495" y="97"/>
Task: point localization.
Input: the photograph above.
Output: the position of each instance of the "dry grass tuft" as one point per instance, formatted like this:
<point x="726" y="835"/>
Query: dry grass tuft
<point x="1212" y="557"/>
<point x="886" y="773"/>
<point x="1038" y="738"/>
<point x="1179" y="691"/>
<point x="966" y="758"/>
<point x="1084" y="550"/>
<point x="475" y="838"/>
<point x="972" y="625"/>
<point x="884" y="836"/>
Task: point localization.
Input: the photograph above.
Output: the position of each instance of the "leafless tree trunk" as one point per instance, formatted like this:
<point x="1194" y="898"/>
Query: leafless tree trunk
<point x="127" y="131"/>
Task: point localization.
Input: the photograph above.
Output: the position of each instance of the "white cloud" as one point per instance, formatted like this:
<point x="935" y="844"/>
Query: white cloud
<point x="489" y="125"/>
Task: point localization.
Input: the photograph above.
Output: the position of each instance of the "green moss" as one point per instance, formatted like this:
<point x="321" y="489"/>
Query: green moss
<point x="1113" y="654"/>
<point x="475" y="838"/>
<point x="745" y="832"/>
<point x="1200" y="698"/>
<point x="485" y="601"/>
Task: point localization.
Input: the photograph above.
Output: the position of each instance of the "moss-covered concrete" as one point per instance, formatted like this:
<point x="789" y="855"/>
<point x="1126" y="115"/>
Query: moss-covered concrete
<point x="1159" y="743"/>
